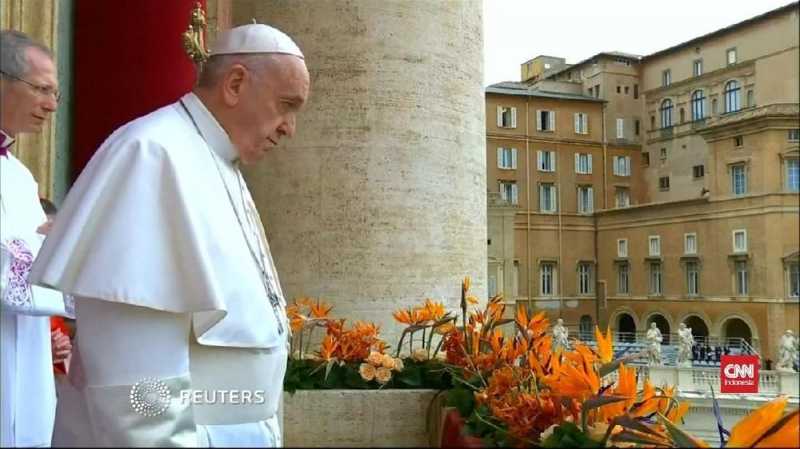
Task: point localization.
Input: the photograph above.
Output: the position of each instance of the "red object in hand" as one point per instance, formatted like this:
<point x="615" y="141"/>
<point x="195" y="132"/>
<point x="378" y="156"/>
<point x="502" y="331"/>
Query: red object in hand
<point x="56" y="322"/>
<point x="452" y="432"/>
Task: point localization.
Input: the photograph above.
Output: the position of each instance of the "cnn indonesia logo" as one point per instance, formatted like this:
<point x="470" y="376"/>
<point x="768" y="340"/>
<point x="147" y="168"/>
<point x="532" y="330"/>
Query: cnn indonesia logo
<point x="739" y="374"/>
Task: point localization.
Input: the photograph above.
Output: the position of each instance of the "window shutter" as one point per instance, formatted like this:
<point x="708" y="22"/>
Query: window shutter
<point x="552" y="116"/>
<point x="627" y="165"/>
<point x="513" y="117"/>
<point x="538" y="120"/>
<point x="620" y="128"/>
<point x="514" y="158"/>
<point x="577" y="162"/>
<point x="591" y="200"/>
<point x="577" y="123"/>
<point x="585" y="118"/>
<point x="499" y="157"/>
<point x="499" y="116"/>
<point x="513" y="194"/>
<point x="554" y="205"/>
<point x="539" y="160"/>
<point x="616" y="166"/>
<point x="589" y="157"/>
<point x="503" y="191"/>
<point x="542" y="200"/>
<point x="552" y="161"/>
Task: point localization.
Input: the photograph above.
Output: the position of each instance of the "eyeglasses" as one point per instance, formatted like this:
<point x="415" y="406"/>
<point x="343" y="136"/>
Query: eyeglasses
<point x="45" y="91"/>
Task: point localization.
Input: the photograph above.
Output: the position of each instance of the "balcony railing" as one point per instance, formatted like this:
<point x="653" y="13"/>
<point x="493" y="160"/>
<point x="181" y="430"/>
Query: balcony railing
<point x="666" y="132"/>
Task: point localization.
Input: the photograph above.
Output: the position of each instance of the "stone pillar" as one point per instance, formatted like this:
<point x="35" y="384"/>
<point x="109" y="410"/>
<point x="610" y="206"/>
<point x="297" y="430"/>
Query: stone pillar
<point x="380" y="199"/>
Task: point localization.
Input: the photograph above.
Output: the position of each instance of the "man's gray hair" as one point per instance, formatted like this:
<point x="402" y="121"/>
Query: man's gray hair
<point x="215" y="67"/>
<point x="13" y="49"/>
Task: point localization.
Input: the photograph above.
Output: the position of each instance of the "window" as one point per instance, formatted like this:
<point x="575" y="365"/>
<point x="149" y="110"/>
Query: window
<point x="698" y="171"/>
<point x="506" y="158"/>
<point x="583" y="163"/>
<point x="622" y="247"/>
<point x="622" y="197"/>
<point x="750" y="99"/>
<point x="698" y="105"/>
<point x="508" y="191"/>
<point x="666" y="78"/>
<point x="654" y="245"/>
<point x="584" y="278"/>
<point x="646" y="159"/>
<point x="585" y="200"/>
<point x="730" y="56"/>
<point x="547" y="274"/>
<point x="663" y="154"/>
<point x="655" y="278"/>
<point x="585" y="328"/>
<point x="793" y="175"/>
<point x="697" y="67"/>
<point x="741" y="278"/>
<point x="547" y="197"/>
<point x="619" y="89"/>
<point x="690" y="243"/>
<point x="663" y="183"/>
<point x="738" y="141"/>
<point x="794" y="279"/>
<point x="546" y="160"/>
<point x="635" y="91"/>
<point x="740" y="241"/>
<point x="714" y="106"/>
<point x="682" y="115"/>
<point x="581" y="123"/>
<point x="623" y="278"/>
<point x="620" y="128"/>
<point x="622" y="165"/>
<point x="692" y="279"/>
<point x="506" y="117"/>
<point x="545" y="120"/>
<point x="636" y="127"/>
<point x="626" y="90"/>
<point x="652" y="122"/>
<point x="794" y="135"/>
<point x="732" y="90"/>
<point x="666" y="113"/>
<point x="597" y="91"/>
<point x="738" y="179"/>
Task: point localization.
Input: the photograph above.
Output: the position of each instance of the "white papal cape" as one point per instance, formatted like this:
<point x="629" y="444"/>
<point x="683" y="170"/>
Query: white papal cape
<point x="149" y="244"/>
<point x="27" y="389"/>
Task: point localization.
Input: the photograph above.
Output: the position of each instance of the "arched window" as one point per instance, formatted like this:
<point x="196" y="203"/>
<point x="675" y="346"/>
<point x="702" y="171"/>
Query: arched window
<point x="698" y="105"/>
<point x="585" y="328"/>
<point x="666" y="113"/>
<point x="732" y="91"/>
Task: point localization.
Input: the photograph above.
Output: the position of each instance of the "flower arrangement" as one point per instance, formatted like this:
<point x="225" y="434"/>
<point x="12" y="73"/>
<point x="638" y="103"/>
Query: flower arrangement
<point x="354" y="356"/>
<point x="519" y="391"/>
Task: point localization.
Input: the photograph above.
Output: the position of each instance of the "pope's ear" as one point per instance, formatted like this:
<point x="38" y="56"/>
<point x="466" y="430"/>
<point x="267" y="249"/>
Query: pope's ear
<point x="232" y="84"/>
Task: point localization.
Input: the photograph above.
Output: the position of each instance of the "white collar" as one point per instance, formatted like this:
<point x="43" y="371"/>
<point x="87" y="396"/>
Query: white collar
<point x="210" y="129"/>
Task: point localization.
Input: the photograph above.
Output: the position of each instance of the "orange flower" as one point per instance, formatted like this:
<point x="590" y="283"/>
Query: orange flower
<point x="788" y="435"/>
<point x="605" y="348"/>
<point x="320" y="309"/>
<point x="678" y="412"/>
<point x="465" y="284"/>
<point x="328" y="348"/>
<point x="433" y="310"/>
<point x="753" y="426"/>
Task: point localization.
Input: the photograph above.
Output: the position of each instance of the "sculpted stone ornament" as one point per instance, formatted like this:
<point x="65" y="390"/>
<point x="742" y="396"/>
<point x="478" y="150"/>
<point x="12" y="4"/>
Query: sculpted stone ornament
<point x="654" y="340"/>
<point x="685" y="343"/>
<point x="787" y="352"/>
<point x="560" y="336"/>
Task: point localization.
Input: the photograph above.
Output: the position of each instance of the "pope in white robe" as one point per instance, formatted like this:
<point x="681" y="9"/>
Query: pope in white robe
<point x="176" y="290"/>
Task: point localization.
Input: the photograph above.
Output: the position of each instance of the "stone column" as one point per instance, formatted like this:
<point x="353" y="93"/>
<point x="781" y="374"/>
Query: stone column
<point x="380" y="199"/>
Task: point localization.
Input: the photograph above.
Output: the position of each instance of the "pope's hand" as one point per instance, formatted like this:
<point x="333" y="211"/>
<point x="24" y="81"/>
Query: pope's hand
<point x="61" y="346"/>
<point x="45" y="227"/>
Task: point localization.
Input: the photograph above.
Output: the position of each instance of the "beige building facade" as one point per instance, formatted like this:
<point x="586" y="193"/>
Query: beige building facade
<point x="695" y="182"/>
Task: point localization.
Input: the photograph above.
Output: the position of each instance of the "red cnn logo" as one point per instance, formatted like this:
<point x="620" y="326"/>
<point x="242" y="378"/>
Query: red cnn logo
<point x="738" y="374"/>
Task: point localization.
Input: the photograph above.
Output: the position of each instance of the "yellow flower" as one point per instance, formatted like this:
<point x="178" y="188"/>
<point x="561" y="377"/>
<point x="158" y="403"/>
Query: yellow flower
<point x="398" y="365"/>
<point x="367" y="371"/>
<point x="605" y="349"/>
<point x="420" y="355"/>
<point x="387" y="362"/>
<point x="383" y="375"/>
<point x="375" y="358"/>
<point x="752" y="427"/>
<point x="465" y="284"/>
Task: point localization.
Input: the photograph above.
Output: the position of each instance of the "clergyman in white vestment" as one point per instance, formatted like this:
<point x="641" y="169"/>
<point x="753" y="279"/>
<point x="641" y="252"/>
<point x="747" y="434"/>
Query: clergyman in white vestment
<point x="28" y="95"/>
<point x="182" y="333"/>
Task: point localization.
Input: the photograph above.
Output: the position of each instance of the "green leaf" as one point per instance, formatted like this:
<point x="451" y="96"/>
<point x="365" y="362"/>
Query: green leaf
<point x="462" y="399"/>
<point x="680" y="437"/>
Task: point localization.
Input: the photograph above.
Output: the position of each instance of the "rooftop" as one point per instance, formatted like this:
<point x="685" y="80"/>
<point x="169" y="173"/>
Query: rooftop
<point x="522" y="89"/>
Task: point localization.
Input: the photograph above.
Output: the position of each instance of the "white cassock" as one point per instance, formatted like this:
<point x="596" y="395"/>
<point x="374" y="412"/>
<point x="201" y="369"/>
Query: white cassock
<point x="27" y="389"/>
<point x="159" y="242"/>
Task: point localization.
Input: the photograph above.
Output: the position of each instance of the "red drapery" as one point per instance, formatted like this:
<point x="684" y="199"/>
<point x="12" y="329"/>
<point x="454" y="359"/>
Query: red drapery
<point x="128" y="61"/>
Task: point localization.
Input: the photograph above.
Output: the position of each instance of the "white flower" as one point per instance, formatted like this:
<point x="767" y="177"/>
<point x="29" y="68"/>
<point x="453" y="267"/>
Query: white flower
<point x="420" y="355"/>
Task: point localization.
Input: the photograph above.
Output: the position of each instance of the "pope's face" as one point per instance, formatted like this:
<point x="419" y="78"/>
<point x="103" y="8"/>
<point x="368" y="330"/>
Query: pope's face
<point x="268" y="111"/>
<point x="24" y="107"/>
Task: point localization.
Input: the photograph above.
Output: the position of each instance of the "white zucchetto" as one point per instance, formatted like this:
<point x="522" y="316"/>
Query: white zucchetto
<point x="255" y="38"/>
